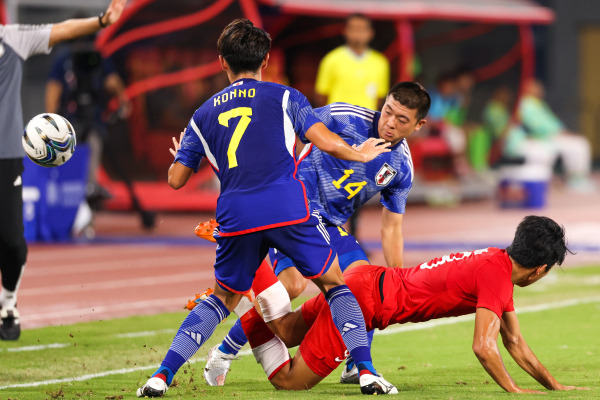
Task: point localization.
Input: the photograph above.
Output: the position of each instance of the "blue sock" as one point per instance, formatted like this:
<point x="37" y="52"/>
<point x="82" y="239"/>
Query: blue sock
<point x="198" y="326"/>
<point x="349" y="320"/>
<point x="350" y="360"/>
<point x="234" y="340"/>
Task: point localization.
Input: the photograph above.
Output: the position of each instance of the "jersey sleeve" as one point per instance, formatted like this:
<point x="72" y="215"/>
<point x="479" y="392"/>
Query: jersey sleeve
<point x="394" y="198"/>
<point x="27" y="40"/>
<point x="324" y="76"/>
<point x="191" y="148"/>
<point x="300" y="113"/>
<point x="494" y="289"/>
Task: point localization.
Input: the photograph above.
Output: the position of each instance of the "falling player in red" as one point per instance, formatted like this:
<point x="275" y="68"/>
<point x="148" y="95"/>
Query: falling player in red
<point x="479" y="282"/>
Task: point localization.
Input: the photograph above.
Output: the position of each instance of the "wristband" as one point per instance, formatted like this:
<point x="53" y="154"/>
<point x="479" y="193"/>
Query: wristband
<point x="102" y="24"/>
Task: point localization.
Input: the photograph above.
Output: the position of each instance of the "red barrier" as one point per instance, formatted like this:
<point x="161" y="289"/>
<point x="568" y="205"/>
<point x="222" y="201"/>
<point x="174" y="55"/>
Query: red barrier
<point x="3" y="14"/>
<point x="499" y="66"/>
<point x="455" y="35"/>
<point x="163" y="27"/>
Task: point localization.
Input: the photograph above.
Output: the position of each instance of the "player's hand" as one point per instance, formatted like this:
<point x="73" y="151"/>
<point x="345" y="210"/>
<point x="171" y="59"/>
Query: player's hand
<point x="563" y="387"/>
<point x="176" y="144"/>
<point x="114" y="11"/>
<point x="372" y="147"/>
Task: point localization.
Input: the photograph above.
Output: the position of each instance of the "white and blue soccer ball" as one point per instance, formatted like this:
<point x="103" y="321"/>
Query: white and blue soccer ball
<point x="49" y="140"/>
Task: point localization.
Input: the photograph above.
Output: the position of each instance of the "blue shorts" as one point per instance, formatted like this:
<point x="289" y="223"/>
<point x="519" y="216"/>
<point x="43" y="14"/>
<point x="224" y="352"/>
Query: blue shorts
<point x="345" y="245"/>
<point x="238" y="257"/>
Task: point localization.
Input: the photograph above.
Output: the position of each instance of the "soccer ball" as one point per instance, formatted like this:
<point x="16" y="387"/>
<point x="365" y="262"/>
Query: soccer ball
<point x="49" y="140"/>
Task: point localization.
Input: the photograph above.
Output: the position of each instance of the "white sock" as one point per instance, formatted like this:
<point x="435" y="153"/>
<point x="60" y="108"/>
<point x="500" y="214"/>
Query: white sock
<point x="8" y="298"/>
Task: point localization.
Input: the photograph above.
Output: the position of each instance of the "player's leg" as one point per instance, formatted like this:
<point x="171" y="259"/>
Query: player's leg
<point x="350" y="255"/>
<point x="13" y="248"/>
<point x="269" y="350"/>
<point x="349" y="252"/>
<point x="232" y="280"/>
<point x="220" y="357"/>
<point x="290" y="277"/>
<point x="307" y="245"/>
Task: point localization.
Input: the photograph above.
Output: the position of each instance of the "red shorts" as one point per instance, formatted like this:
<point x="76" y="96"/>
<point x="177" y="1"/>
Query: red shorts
<point x="323" y="348"/>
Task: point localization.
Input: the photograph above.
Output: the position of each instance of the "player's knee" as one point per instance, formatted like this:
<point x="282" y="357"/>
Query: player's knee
<point x="295" y="287"/>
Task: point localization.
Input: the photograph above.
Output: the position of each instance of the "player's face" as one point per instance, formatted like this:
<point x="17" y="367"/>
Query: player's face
<point x="397" y="121"/>
<point x="358" y="32"/>
<point x="534" y="276"/>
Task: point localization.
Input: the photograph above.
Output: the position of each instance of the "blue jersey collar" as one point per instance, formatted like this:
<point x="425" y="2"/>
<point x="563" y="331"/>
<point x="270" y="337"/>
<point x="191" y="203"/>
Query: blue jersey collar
<point x="241" y="81"/>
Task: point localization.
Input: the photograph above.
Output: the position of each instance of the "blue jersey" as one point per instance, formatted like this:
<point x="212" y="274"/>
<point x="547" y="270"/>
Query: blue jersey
<point x="336" y="188"/>
<point x="247" y="132"/>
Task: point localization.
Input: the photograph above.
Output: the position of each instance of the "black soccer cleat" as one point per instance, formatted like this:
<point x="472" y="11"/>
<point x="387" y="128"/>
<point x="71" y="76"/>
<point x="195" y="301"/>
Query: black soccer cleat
<point x="10" y="328"/>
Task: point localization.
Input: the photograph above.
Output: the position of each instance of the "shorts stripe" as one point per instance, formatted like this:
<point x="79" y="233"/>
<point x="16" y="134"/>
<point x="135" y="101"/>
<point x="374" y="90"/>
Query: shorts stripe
<point x="324" y="233"/>
<point x="322" y="269"/>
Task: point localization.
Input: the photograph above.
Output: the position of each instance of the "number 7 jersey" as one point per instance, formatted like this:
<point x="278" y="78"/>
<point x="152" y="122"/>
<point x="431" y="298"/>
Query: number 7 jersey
<point x="247" y="132"/>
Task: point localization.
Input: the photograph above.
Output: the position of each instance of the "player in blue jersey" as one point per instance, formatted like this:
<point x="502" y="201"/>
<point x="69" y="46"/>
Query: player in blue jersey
<point x="336" y="188"/>
<point x="247" y="132"/>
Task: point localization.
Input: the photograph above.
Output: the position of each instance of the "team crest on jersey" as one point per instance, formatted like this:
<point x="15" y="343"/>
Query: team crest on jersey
<point x="385" y="175"/>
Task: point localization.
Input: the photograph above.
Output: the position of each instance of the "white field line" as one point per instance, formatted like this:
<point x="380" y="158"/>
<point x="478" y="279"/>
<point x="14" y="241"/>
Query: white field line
<point x="37" y="347"/>
<point x="424" y="325"/>
<point x="102" y="374"/>
<point x="470" y="317"/>
<point x="118" y="284"/>
<point x="143" y="333"/>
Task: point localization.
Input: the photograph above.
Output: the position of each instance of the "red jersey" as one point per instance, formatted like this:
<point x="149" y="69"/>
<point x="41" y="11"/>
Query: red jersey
<point x="449" y="286"/>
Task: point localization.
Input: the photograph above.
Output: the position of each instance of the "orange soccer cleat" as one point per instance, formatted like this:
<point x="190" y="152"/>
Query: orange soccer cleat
<point x="205" y="230"/>
<point x="199" y="297"/>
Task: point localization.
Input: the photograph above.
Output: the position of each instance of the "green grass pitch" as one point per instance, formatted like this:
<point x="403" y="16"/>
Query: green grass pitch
<point x="432" y="363"/>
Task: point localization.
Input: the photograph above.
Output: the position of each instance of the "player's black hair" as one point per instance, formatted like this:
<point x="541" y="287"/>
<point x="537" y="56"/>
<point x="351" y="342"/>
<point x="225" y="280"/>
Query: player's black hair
<point x="538" y="241"/>
<point x="412" y="95"/>
<point x="359" y="16"/>
<point x="244" y="46"/>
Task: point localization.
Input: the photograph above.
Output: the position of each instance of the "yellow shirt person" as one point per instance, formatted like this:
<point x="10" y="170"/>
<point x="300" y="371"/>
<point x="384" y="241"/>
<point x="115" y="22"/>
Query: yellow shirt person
<point x="348" y="77"/>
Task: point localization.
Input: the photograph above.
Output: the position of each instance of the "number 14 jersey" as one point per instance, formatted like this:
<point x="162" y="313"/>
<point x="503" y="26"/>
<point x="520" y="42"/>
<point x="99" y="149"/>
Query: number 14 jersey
<point x="247" y="132"/>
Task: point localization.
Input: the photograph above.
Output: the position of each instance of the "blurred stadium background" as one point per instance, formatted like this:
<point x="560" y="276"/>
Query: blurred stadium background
<point x="165" y="52"/>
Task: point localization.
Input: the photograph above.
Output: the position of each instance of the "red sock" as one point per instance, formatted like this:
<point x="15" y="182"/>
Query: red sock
<point x="264" y="278"/>
<point x="255" y="328"/>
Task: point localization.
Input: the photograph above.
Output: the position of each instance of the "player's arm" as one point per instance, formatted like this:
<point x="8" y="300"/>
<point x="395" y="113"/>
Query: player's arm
<point x="179" y="174"/>
<point x="73" y="28"/>
<point x="522" y="354"/>
<point x="392" y="240"/>
<point x="485" y="347"/>
<point x="335" y="146"/>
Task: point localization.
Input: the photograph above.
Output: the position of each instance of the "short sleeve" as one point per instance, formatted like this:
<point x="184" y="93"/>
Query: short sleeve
<point x="383" y="84"/>
<point x="324" y="76"/>
<point x="27" y="40"/>
<point x="394" y="197"/>
<point x="494" y="289"/>
<point x="191" y="149"/>
<point x="300" y="113"/>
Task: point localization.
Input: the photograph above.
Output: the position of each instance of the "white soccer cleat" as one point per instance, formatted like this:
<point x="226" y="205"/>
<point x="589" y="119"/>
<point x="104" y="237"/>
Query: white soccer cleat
<point x="371" y="384"/>
<point x="217" y="366"/>
<point x="350" y="375"/>
<point x="155" y="387"/>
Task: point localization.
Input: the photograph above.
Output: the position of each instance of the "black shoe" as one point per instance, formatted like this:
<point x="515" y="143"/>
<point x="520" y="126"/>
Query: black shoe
<point x="10" y="328"/>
